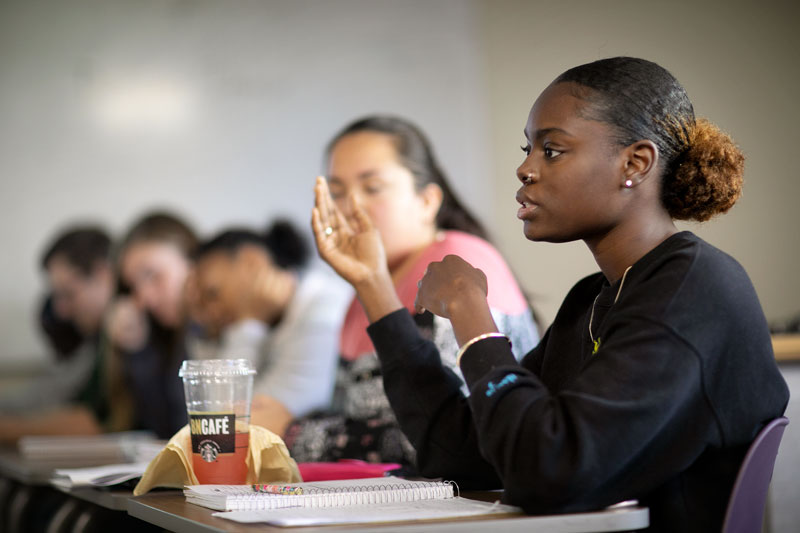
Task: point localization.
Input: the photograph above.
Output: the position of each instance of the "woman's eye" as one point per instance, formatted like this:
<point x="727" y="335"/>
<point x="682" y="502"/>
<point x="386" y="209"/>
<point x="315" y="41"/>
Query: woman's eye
<point x="373" y="189"/>
<point x="551" y="153"/>
<point x="526" y="149"/>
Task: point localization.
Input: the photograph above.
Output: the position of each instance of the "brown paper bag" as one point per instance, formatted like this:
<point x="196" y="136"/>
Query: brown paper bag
<point x="268" y="461"/>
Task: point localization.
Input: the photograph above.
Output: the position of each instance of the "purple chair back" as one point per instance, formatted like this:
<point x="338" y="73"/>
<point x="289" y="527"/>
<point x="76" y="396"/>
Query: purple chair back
<point x="745" y="513"/>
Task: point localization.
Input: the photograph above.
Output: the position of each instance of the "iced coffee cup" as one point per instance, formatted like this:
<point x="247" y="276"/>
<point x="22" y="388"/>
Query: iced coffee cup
<point x="218" y="396"/>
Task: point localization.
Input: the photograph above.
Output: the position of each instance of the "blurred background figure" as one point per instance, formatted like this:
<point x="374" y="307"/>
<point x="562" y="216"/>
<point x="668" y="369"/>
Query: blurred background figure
<point x="256" y="297"/>
<point x="147" y="322"/>
<point x="77" y="394"/>
<point x="387" y="166"/>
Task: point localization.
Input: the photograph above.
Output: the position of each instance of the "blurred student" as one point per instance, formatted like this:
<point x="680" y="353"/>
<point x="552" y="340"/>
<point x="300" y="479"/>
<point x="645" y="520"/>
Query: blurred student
<point x="75" y="396"/>
<point x="148" y="325"/>
<point x="256" y="299"/>
<point x="388" y="166"/>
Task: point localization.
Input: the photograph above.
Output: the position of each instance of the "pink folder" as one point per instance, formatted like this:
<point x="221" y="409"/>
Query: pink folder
<point x="344" y="469"/>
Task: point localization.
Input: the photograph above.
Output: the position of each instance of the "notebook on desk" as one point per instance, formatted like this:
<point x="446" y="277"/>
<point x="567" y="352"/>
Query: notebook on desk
<point x="334" y="493"/>
<point x="341" y="501"/>
<point x="435" y="509"/>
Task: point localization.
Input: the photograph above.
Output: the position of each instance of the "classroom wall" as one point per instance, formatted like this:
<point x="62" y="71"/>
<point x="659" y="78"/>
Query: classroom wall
<point x="219" y="110"/>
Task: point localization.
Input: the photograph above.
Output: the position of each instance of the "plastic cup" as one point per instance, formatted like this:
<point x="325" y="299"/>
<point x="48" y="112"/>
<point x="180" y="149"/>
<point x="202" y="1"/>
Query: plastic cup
<point x="218" y="396"/>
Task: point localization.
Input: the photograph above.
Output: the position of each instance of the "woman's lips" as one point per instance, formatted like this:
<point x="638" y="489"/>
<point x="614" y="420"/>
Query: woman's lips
<point x="526" y="210"/>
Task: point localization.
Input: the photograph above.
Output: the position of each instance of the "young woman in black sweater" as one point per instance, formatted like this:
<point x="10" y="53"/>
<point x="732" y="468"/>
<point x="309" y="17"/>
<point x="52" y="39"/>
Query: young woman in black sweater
<point x="656" y="373"/>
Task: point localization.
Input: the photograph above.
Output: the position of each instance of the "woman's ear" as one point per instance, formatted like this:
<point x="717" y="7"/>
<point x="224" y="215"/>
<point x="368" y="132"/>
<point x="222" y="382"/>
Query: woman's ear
<point x="640" y="161"/>
<point x="432" y="197"/>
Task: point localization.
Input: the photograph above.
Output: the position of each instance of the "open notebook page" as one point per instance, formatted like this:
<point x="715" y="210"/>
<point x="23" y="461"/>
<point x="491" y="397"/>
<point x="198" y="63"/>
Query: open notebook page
<point x="319" y="494"/>
<point x="385" y="512"/>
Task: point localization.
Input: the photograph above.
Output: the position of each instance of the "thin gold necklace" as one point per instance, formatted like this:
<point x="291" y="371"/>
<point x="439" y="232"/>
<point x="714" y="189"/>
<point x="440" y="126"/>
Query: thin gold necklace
<point x="596" y="343"/>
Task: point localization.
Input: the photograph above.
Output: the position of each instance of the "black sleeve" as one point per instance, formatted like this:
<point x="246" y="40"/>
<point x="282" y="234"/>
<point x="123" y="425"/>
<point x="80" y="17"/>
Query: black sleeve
<point x="428" y="403"/>
<point x="632" y="418"/>
<point x="604" y="437"/>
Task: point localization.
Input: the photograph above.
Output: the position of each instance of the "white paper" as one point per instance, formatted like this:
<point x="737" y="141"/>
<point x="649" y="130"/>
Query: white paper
<point x="129" y="446"/>
<point x="93" y="477"/>
<point x="392" y="512"/>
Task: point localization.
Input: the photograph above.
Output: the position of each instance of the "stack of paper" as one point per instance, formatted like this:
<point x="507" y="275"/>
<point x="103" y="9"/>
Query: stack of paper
<point x="100" y="476"/>
<point x="99" y="449"/>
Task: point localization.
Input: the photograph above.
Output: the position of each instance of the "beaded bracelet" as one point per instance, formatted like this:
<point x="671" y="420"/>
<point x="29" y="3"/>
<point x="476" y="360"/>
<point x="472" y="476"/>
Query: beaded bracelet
<point x="474" y="340"/>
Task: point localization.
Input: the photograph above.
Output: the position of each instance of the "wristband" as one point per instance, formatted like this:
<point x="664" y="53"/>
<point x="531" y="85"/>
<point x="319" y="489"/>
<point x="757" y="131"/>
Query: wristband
<point x="476" y="339"/>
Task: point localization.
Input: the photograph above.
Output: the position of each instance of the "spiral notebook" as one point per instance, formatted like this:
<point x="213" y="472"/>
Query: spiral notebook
<point x="325" y="494"/>
<point x="449" y="508"/>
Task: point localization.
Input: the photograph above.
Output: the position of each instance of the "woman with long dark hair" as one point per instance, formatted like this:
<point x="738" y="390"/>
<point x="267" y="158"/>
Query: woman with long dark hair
<point x="387" y="165"/>
<point x="147" y="323"/>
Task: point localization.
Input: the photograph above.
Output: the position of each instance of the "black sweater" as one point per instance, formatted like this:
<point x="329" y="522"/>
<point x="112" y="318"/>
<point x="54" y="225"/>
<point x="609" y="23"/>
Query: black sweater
<point x="664" y="412"/>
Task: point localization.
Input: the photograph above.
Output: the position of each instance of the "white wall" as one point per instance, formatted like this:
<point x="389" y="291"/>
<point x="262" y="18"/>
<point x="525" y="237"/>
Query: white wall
<point x="218" y="109"/>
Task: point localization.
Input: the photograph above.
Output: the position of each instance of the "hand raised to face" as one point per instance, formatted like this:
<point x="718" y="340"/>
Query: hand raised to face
<point x="450" y="286"/>
<point x="349" y="243"/>
<point x="192" y="299"/>
<point x="267" y="290"/>
<point x="126" y="325"/>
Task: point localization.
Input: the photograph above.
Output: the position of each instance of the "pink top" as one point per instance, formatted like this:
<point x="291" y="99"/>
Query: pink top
<point x="504" y="293"/>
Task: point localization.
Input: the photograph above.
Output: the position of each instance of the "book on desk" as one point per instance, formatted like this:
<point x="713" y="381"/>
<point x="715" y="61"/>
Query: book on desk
<point x="341" y="501"/>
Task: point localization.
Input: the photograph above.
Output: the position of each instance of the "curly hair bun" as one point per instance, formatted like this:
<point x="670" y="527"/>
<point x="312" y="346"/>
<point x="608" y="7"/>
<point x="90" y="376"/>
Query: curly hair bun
<point x="707" y="178"/>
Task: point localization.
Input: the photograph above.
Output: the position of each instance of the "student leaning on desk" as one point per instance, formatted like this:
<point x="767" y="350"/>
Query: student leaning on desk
<point x="147" y="323"/>
<point x="258" y="297"/>
<point x="391" y="166"/>
<point x="656" y="373"/>
<point x="81" y="392"/>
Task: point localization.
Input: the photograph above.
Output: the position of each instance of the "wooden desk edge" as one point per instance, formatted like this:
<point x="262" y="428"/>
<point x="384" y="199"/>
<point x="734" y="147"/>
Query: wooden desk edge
<point x="786" y="347"/>
<point x="138" y="507"/>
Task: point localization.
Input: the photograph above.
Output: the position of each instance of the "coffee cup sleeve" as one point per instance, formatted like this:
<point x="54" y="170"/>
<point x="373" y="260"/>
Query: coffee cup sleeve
<point x="268" y="461"/>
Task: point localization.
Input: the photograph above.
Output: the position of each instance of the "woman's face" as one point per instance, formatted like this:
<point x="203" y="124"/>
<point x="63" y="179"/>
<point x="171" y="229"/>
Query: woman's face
<point x="78" y="297"/>
<point x="215" y="281"/>
<point x="575" y="169"/>
<point x="156" y="273"/>
<point x="223" y="287"/>
<point x="365" y="164"/>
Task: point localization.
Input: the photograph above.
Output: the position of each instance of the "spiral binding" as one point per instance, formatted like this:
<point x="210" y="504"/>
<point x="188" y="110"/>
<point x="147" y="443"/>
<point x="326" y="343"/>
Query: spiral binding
<point x="346" y="496"/>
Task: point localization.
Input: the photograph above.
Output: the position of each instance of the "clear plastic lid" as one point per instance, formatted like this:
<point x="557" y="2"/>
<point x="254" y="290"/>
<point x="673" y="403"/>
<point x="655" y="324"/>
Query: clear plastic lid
<point x="216" y="367"/>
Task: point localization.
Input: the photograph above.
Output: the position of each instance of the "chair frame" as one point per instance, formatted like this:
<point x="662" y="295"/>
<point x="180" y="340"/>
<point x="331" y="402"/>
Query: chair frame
<point x="745" y="512"/>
